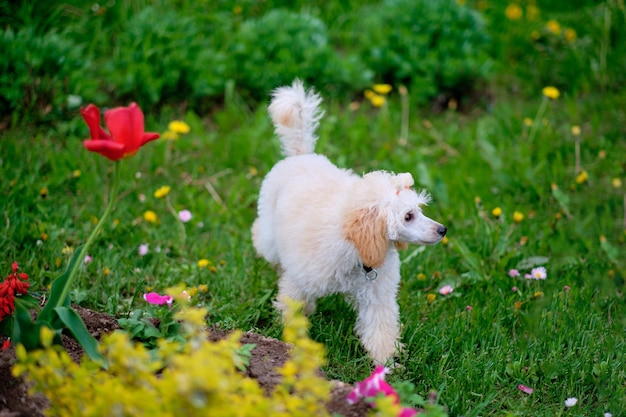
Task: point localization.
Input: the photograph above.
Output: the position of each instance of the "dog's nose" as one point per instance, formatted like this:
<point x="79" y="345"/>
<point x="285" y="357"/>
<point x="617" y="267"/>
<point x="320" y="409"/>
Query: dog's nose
<point x="442" y="230"/>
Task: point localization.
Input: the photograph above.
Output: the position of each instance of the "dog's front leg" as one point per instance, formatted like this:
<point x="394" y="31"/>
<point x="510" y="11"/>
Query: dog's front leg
<point x="378" y="325"/>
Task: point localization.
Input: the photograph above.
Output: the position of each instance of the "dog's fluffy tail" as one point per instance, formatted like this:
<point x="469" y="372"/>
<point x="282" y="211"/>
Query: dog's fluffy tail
<point x="296" y="114"/>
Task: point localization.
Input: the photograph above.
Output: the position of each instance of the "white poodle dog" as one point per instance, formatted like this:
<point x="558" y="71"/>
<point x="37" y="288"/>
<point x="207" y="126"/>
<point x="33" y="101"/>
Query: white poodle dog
<point x="328" y="230"/>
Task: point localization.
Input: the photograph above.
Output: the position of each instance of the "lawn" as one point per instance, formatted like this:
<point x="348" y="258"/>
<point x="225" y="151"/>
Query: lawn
<point x="520" y="179"/>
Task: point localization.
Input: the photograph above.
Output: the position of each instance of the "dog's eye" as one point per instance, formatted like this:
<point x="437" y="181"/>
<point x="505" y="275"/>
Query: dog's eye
<point x="409" y="216"/>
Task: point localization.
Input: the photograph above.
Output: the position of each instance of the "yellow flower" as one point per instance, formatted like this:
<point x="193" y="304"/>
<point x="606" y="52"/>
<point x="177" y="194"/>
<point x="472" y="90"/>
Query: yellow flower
<point x="431" y="297"/>
<point x="513" y="12"/>
<point x="576" y="130"/>
<point x="496" y="212"/>
<point x="178" y="126"/>
<point x="67" y="250"/>
<point x="203" y="263"/>
<point x="532" y="12"/>
<point x="517" y="305"/>
<point x="518" y="217"/>
<point x="582" y="177"/>
<point x="570" y="35"/>
<point x="106" y="271"/>
<point x="237" y="10"/>
<point x="616" y="182"/>
<point x="162" y="191"/>
<point x="421" y="276"/>
<point x="445" y="241"/>
<point x="212" y="268"/>
<point x="528" y="121"/>
<point x="169" y="135"/>
<point x="203" y="288"/>
<point x="551" y="92"/>
<point x="538" y="294"/>
<point x="150" y="216"/>
<point x="76" y="173"/>
<point x="377" y="100"/>
<point x="44" y="235"/>
<point x="382" y="88"/>
<point x="43" y="192"/>
<point x="553" y="26"/>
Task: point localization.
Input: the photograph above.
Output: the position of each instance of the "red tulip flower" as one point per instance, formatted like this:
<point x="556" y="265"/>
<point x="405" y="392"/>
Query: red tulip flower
<point x="126" y="131"/>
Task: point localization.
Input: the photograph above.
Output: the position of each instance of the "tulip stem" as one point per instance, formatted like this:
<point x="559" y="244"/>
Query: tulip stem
<point x="92" y="237"/>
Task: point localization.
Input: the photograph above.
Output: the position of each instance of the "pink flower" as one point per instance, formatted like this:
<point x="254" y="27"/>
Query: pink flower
<point x="514" y="273"/>
<point x="566" y="288"/>
<point x="88" y="259"/>
<point x="143" y="249"/>
<point x="157" y="299"/>
<point x="374" y="385"/>
<point x="469" y="308"/>
<point x="539" y="273"/>
<point x="514" y="289"/>
<point x="184" y="216"/>
<point x="524" y="388"/>
<point x="445" y="290"/>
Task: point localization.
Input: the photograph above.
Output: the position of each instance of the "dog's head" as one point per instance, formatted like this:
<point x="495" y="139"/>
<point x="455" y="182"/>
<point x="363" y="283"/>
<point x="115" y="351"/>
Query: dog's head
<point x="389" y="213"/>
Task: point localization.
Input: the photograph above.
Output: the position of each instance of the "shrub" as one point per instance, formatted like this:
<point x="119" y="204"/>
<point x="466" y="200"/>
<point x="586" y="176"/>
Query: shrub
<point x="164" y="57"/>
<point x="36" y="72"/>
<point x="197" y="378"/>
<point x="282" y="45"/>
<point x="432" y="46"/>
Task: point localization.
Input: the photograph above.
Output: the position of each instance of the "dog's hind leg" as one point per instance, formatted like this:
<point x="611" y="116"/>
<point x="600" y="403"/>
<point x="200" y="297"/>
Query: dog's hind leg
<point x="288" y="291"/>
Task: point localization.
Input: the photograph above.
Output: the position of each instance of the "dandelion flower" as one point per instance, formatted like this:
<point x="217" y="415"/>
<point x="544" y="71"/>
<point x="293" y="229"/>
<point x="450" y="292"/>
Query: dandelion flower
<point x="575" y="130"/>
<point x="184" y="216"/>
<point x="422" y="276"/>
<point x="143" y="249"/>
<point x="162" y="191"/>
<point x="582" y="177"/>
<point x="539" y="273"/>
<point x="446" y="290"/>
<point x="382" y="88"/>
<point x="528" y="121"/>
<point x="496" y="212"/>
<point x="203" y="263"/>
<point x="150" y="216"/>
<point x="569" y="34"/>
<point x="431" y="297"/>
<point x="553" y="26"/>
<point x="551" y="92"/>
<point x="76" y="173"/>
<point x="178" y="126"/>
<point x="518" y="217"/>
<point x="570" y="402"/>
<point x="538" y="294"/>
<point x="616" y="183"/>
<point x="513" y="12"/>
<point x="445" y="241"/>
<point x="377" y="100"/>
<point x="169" y="135"/>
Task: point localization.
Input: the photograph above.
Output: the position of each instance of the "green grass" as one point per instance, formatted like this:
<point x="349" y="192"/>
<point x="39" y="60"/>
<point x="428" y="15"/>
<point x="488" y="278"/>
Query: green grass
<point x="562" y="343"/>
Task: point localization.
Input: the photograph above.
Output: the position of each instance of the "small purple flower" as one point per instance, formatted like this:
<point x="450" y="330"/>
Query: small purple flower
<point x="525" y="389"/>
<point x="469" y="308"/>
<point x="514" y="273"/>
<point x="514" y="289"/>
<point x="566" y="288"/>
<point x="445" y="290"/>
<point x="539" y="273"/>
<point x="157" y="299"/>
<point x="143" y="249"/>
<point x="88" y="259"/>
<point x="184" y="216"/>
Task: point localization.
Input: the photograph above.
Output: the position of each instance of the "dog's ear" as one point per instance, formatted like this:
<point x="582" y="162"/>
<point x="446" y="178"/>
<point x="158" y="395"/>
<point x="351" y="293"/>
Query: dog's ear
<point x="367" y="229"/>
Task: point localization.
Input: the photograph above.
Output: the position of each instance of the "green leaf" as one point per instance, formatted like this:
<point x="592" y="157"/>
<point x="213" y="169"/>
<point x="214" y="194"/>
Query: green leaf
<point x="76" y="326"/>
<point x="47" y="315"/>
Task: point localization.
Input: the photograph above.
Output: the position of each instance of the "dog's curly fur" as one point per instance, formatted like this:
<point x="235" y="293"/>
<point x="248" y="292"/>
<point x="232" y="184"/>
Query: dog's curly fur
<point x="328" y="230"/>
